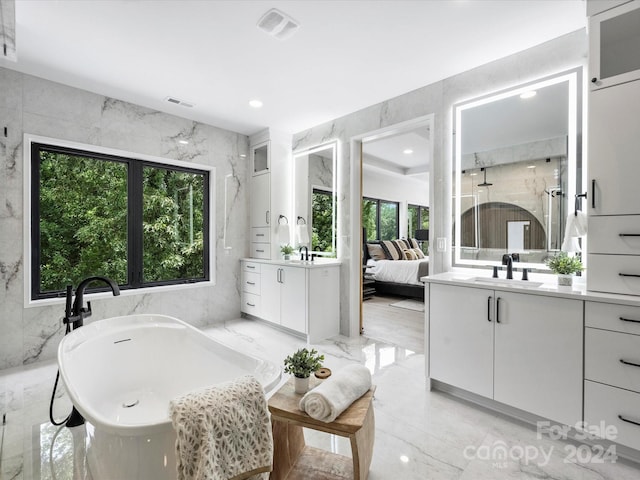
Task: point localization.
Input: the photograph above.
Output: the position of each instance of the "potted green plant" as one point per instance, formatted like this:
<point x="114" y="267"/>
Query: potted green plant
<point x="565" y="267"/>
<point x="301" y="365"/>
<point x="286" y="251"/>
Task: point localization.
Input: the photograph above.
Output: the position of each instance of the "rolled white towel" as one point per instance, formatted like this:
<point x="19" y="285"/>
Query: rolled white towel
<point x="333" y="396"/>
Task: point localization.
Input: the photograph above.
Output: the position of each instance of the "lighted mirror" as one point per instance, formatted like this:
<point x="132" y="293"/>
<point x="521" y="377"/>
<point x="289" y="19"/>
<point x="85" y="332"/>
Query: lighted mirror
<point x="517" y="170"/>
<point x="314" y="201"/>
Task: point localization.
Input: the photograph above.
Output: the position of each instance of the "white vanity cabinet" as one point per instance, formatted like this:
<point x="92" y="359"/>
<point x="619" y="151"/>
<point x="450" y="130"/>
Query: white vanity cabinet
<point x="461" y="337"/>
<point x="284" y="296"/>
<point x="521" y="350"/>
<point x="250" y="297"/>
<point x="612" y="369"/>
<point x="303" y="298"/>
<point x="614" y="43"/>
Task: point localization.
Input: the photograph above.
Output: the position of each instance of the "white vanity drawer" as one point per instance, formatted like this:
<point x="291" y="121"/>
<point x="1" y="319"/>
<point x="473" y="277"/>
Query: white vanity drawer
<point x="614" y="274"/>
<point x="604" y="355"/>
<point x="260" y="250"/>
<point x="610" y="316"/>
<point x="250" y="304"/>
<point x="260" y="234"/>
<point x="606" y="404"/>
<point x="616" y="234"/>
<point x="251" y="282"/>
<point x="251" y="267"/>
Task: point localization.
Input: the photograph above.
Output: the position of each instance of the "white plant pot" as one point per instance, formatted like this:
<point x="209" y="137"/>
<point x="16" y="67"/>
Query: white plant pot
<point x="565" y="280"/>
<point x="301" y="385"/>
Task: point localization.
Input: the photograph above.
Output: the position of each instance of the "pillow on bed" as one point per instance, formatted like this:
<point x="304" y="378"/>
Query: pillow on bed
<point x="404" y="243"/>
<point x="410" y="254"/>
<point x="376" y="251"/>
<point x="418" y="253"/>
<point x="393" y="250"/>
<point x="413" y="243"/>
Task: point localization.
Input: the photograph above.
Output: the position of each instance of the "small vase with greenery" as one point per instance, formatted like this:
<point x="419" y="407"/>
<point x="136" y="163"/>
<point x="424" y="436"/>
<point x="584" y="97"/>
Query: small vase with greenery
<point x="301" y="365"/>
<point x="564" y="266"/>
<point x="286" y="251"/>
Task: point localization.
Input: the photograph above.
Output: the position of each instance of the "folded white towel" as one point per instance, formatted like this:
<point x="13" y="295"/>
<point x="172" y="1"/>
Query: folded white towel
<point x="333" y="396"/>
<point x="223" y="432"/>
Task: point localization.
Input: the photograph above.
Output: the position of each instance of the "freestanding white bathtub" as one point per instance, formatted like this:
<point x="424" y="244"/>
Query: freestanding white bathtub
<point x="121" y="373"/>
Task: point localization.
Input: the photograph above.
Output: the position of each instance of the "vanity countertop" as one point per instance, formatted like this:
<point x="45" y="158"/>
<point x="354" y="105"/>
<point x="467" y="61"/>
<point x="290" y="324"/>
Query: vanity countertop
<point x="317" y="263"/>
<point x="538" y="284"/>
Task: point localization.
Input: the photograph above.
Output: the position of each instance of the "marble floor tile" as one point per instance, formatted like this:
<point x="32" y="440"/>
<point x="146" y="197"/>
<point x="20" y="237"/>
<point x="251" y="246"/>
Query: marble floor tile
<point x="420" y="434"/>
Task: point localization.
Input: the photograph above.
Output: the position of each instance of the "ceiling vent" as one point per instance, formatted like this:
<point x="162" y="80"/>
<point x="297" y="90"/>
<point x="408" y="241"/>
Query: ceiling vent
<point x="278" y="24"/>
<point x="177" y="101"/>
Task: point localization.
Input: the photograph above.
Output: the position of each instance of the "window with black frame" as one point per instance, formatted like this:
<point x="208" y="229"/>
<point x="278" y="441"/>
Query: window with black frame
<point x="380" y="218"/>
<point x="140" y="223"/>
<point x="418" y="225"/>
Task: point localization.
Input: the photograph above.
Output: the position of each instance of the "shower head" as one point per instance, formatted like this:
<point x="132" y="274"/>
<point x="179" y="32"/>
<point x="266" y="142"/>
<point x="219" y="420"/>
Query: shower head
<point x="484" y="183"/>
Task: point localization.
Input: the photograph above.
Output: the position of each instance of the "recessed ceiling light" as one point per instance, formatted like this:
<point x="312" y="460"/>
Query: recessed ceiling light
<point x="407" y="151"/>
<point x="255" y="103"/>
<point x="183" y="142"/>
<point x="531" y="166"/>
<point x="529" y="94"/>
<point x="243" y="155"/>
<point x="404" y="458"/>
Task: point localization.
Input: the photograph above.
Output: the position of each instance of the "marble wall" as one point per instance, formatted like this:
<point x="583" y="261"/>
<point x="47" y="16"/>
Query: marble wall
<point x="33" y="105"/>
<point x="555" y="56"/>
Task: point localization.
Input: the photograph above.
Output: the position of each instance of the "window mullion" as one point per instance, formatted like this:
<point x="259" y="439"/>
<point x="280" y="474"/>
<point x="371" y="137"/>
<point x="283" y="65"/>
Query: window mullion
<point x="135" y="191"/>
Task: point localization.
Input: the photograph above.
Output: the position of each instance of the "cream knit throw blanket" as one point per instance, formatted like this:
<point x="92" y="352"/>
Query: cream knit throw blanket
<point x="223" y="432"/>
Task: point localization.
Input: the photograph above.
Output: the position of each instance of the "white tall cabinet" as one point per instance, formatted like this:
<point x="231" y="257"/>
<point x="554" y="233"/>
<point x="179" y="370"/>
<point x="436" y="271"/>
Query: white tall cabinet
<point x="613" y="255"/>
<point x="270" y="187"/>
<point x="503" y="346"/>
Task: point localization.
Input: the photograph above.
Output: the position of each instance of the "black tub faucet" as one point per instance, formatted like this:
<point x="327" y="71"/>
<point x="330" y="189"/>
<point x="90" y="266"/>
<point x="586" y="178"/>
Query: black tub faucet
<point x="77" y="313"/>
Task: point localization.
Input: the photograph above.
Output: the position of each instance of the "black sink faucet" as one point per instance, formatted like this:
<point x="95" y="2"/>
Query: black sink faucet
<point x="508" y="261"/>
<point x="305" y="255"/>
<point x="77" y="313"/>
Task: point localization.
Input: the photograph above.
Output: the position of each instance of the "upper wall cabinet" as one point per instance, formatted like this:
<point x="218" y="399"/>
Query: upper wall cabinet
<point x="260" y="158"/>
<point x="614" y="46"/>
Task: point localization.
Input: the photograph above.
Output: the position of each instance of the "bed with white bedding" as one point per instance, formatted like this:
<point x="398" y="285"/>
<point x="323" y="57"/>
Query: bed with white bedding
<point x="406" y="272"/>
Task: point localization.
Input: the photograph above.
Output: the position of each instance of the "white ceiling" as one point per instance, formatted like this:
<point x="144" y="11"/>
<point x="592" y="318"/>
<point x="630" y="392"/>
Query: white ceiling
<point x="387" y="154"/>
<point x="346" y="55"/>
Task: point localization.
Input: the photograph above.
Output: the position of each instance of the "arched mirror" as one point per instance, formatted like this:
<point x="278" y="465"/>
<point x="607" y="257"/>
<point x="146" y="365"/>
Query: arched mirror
<point x="517" y="171"/>
<point x="314" y="199"/>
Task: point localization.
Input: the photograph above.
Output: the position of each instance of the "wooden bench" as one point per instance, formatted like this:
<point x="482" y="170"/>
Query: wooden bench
<point x="294" y="460"/>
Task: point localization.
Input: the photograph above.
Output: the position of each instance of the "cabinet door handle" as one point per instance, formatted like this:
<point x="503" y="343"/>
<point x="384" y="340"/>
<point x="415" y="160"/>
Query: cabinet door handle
<point x="251" y="283"/>
<point x="629" y="234"/>
<point x="629" y="275"/>
<point x="250" y="304"/>
<point x="594" y="80"/>
<point x="629" y="363"/>
<point x="593" y="193"/>
<point x="260" y="251"/>
<point x="627" y="420"/>
<point x="489" y="298"/>
<point x="259" y="234"/>
<point x="629" y="320"/>
<point x="498" y="310"/>
<point x="251" y="267"/>
<point x="266" y="217"/>
<point x="281" y="275"/>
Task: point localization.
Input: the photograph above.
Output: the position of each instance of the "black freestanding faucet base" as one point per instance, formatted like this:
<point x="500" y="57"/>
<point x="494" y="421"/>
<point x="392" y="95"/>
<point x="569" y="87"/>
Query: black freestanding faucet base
<point x="75" y="419"/>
